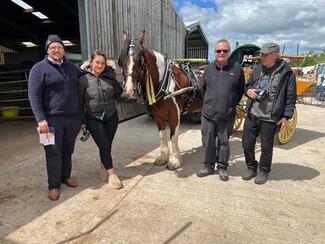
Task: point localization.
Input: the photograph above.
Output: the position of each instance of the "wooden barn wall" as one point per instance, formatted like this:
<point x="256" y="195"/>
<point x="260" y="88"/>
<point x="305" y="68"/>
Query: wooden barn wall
<point x="165" y="31"/>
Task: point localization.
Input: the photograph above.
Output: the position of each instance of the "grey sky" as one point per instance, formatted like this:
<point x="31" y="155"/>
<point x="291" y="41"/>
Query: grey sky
<point x="286" y="22"/>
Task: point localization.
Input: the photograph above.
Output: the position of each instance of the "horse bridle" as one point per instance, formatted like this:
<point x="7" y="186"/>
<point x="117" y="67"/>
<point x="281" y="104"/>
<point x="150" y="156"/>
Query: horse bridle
<point x="142" y="62"/>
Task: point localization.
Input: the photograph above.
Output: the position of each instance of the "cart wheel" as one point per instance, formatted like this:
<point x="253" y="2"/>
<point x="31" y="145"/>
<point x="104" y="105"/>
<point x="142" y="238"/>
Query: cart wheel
<point x="286" y="134"/>
<point x="240" y="114"/>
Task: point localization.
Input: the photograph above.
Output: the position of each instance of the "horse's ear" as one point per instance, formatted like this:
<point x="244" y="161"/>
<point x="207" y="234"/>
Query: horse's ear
<point x="124" y="36"/>
<point x="141" y="37"/>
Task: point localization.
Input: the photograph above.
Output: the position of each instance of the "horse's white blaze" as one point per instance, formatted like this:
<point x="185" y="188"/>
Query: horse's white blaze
<point x="160" y="64"/>
<point x="128" y="83"/>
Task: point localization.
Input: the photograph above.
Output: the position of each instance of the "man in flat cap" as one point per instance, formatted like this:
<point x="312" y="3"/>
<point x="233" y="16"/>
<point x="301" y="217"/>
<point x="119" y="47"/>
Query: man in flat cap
<point x="271" y="92"/>
<point x="53" y="95"/>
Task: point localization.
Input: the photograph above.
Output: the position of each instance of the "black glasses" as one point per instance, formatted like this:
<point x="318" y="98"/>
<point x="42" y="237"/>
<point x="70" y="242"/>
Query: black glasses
<point x="56" y="48"/>
<point x="221" y="50"/>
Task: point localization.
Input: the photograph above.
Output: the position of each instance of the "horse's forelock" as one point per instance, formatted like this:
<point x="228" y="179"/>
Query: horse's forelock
<point x="124" y="53"/>
<point x="137" y="48"/>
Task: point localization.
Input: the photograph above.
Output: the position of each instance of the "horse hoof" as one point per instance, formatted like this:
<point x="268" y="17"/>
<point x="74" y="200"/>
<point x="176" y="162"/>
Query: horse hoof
<point x="167" y="167"/>
<point x="172" y="168"/>
<point x="160" y="163"/>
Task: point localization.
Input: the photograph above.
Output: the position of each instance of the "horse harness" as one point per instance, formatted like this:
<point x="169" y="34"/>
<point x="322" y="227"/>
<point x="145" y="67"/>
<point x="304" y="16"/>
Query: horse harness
<point x="192" y="82"/>
<point x="168" y="77"/>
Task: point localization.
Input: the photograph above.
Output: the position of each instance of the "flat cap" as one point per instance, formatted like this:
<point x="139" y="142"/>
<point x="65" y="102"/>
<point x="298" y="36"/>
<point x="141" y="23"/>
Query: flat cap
<point x="269" y="48"/>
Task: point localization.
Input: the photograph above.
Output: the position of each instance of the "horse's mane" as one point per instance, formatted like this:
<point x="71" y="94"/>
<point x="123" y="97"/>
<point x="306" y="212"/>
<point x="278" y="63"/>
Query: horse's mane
<point x="125" y="52"/>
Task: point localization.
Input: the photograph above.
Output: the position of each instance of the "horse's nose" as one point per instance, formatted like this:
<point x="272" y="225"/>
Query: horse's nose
<point x="131" y="94"/>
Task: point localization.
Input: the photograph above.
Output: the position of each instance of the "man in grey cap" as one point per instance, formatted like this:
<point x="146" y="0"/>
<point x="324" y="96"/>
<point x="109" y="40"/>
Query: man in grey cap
<point x="271" y="92"/>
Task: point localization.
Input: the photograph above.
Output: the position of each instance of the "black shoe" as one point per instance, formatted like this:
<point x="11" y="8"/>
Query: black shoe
<point x="223" y="174"/>
<point x="249" y="174"/>
<point x="261" y="178"/>
<point x="204" y="172"/>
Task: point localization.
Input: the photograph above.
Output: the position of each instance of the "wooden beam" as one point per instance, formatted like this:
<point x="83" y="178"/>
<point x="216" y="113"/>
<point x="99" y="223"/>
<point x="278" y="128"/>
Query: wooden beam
<point x="281" y="56"/>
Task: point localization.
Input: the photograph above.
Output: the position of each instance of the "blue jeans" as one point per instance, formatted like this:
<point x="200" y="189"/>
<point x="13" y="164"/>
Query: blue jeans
<point x="58" y="156"/>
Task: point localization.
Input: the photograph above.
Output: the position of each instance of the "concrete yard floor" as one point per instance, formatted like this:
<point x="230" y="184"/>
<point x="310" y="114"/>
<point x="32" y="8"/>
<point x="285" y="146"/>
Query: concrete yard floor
<point x="157" y="205"/>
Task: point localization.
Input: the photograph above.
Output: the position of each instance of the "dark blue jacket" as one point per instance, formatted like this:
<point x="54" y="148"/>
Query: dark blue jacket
<point x="53" y="89"/>
<point x="223" y="89"/>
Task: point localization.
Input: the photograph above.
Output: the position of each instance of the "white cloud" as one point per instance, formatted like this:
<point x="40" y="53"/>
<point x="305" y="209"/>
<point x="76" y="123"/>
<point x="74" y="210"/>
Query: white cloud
<point x="286" y="22"/>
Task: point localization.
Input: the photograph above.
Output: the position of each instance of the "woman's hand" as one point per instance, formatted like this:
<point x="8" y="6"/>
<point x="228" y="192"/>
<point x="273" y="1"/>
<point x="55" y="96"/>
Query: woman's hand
<point x="83" y="126"/>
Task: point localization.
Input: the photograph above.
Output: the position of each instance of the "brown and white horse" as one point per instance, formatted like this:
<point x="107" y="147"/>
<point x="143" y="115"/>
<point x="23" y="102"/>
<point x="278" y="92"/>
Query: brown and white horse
<point x="168" y="90"/>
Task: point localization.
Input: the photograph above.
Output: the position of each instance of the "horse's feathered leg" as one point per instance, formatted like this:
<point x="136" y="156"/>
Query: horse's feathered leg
<point x="175" y="160"/>
<point x="163" y="156"/>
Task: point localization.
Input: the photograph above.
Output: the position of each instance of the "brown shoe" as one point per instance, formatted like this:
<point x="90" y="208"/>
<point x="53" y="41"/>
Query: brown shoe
<point x="71" y="182"/>
<point x="54" y="194"/>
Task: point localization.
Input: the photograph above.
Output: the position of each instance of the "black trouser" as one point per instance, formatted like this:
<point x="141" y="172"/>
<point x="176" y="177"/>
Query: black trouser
<point x="211" y="129"/>
<point x="103" y="132"/>
<point x="252" y="128"/>
<point x="58" y="156"/>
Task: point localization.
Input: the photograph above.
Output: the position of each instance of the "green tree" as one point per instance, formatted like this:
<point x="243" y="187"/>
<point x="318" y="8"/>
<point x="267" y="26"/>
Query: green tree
<point x="312" y="59"/>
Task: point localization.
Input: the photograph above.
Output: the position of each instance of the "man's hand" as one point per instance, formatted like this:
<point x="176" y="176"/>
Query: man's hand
<point x="252" y="93"/>
<point x="283" y="122"/>
<point x="43" y="126"/>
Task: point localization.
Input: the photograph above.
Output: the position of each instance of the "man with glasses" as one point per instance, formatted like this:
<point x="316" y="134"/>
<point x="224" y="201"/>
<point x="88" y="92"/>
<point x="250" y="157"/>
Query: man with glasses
<point x="53" y="95"/>
<point x="271" y="90"/>
<point x="223" y="85"/>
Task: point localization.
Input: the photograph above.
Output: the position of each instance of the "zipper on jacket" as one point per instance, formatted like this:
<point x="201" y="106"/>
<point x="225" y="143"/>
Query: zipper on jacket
<point x="101" y="95"/>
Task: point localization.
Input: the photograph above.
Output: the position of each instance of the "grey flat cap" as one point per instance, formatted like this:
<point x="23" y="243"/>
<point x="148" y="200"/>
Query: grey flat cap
<point x="269" y="47"/>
